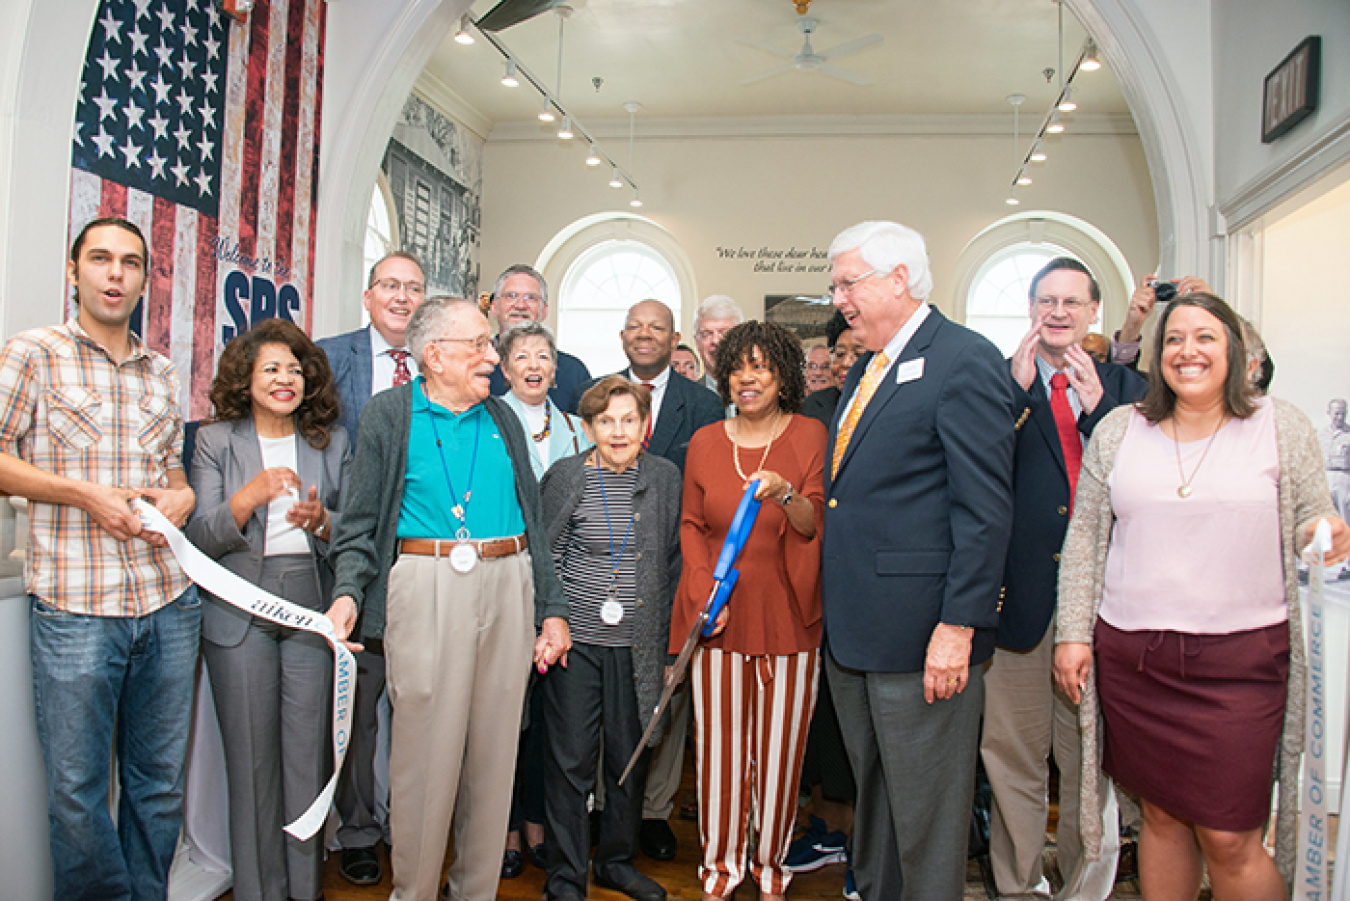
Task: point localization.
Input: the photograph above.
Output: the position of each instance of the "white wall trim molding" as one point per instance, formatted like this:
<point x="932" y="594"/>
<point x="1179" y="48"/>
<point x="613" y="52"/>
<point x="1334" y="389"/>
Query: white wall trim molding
<point x="997" y="125"/>
<point x="1327" y="152"/>
<point x="368" y="95"/>
<point x="444" y="98"/>
<point x="43" y="47"/>
<point x="1179" y="162"/>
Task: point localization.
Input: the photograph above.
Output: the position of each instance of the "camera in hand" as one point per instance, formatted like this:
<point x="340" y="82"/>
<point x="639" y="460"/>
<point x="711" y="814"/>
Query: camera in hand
<point x="1164" y="291"/>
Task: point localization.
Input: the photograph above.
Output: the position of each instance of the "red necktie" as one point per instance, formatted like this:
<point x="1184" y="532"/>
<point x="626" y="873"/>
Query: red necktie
<point x="647" y="439"/>
<point x="402" y="375"/>
<point x="1067" y="426"/>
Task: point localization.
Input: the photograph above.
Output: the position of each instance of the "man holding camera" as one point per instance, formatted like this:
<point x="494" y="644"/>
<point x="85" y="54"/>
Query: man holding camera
<point x="1125" y="349"/>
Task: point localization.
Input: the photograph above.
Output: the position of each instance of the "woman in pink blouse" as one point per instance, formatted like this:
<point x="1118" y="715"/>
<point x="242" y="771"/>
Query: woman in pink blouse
<point x="1179" y="585"/>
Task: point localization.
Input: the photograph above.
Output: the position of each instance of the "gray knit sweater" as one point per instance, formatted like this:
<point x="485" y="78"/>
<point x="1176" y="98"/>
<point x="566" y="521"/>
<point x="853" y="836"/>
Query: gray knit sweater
<point x="656" y="541"/>
<point x="365" y="547"/>
<point x="1303" y="497"/>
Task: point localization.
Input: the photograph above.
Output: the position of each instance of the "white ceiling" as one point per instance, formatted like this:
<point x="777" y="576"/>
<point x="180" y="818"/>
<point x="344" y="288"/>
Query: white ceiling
<point x="681" y="59"/>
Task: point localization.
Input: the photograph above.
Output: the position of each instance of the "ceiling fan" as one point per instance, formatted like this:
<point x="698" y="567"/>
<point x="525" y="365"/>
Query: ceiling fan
<point x="808" y="60"/>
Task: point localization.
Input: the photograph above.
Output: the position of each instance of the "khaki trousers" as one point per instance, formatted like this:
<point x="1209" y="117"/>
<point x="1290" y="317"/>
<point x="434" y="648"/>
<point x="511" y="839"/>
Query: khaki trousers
<point x="1026" y="719"/>
<point x="457" y="651"/>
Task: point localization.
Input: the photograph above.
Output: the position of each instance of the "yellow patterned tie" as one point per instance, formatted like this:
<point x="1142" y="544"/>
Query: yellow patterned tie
<point x="866" y="388"/>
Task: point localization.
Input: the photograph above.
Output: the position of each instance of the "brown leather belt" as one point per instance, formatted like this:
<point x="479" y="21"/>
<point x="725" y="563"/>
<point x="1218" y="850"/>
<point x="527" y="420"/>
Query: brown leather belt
<point x="441" y="547"/>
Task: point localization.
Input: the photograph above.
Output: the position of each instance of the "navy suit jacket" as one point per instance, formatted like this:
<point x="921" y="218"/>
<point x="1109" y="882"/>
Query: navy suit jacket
<point x="686" y="408"/>
<point x="569" y="382"/>
<point x="918" y="516"/>
<point x="349" y="358"/>
<point x="1041" y="503"/>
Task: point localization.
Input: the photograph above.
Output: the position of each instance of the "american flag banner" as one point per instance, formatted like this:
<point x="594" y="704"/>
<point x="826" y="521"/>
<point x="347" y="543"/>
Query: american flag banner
<point x="204" y="132"/>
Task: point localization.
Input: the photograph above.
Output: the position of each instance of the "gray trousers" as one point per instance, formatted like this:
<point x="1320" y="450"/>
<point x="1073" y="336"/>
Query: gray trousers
<point x="914" y="763"/>
<point x="273" y="693"/>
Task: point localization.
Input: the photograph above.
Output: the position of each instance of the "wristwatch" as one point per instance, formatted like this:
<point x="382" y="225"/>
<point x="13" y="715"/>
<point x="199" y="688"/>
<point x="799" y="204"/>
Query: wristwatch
<point x="787" y="498"/>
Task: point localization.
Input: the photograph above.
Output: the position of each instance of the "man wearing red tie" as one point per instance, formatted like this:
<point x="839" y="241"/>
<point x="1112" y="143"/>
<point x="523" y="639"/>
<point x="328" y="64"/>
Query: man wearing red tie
<point x="366" y="362"/>
<point x="1060" y="394"/>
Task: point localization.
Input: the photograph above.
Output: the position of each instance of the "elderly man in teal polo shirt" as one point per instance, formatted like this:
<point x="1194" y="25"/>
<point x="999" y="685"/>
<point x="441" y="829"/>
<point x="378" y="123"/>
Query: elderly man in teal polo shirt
<point x="442" y="546"/>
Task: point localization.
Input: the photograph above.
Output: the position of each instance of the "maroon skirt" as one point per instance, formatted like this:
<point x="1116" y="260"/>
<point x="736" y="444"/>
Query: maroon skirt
<point x="1193" y="721"/>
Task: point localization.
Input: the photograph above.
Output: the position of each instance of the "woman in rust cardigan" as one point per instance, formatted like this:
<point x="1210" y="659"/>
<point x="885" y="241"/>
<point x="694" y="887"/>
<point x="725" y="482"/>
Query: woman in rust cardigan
<point x="754" y="681"/>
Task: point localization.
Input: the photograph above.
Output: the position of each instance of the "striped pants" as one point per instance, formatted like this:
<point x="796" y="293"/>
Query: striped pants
<point x="752" y="716"/>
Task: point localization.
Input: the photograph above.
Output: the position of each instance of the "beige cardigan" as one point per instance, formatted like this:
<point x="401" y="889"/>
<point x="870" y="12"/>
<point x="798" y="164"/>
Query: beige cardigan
<point x="1303" y="496"/>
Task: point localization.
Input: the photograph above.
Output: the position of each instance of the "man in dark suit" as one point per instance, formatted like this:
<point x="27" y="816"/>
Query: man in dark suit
<point x="1060" y="394"/>
<point x="679" y="409"/>
<point x="519" y="297"/>
<point x="919" y="487"/>
<point x="365" y="362"/>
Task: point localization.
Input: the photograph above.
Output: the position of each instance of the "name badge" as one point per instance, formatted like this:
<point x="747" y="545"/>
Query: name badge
<point x="909" y="371"/>
<point x="463" y="558"/>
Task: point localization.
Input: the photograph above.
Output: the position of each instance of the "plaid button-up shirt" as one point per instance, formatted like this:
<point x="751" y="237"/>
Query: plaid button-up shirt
<point x="68" y="408"/>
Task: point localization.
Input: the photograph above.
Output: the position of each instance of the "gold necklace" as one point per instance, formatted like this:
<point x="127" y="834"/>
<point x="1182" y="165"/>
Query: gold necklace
<point x="736" y="444"/>
<point x="1184" y="489"/>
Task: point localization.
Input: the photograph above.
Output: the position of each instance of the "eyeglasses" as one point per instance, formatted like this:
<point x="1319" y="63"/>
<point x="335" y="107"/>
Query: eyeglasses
<point x="478" y="345"/>
<point x="394" y="286"/>
<point x="512" y="297"/>
<point x="1071" y="304"/>
<point x="817" y="367"/>
<point x="847" y="286"/>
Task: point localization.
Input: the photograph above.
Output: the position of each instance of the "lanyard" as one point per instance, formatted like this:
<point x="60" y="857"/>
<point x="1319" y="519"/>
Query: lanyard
<point x="613" y="560"/>
<point x="458" y="509"/>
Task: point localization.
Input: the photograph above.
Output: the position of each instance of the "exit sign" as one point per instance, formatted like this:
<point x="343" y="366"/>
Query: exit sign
<point x="1291" y="90"/>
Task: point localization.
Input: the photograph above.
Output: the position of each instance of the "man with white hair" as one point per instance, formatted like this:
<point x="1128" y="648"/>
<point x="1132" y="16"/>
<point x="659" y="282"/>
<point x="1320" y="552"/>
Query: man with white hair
<point x="519" y="297"/>
<point x="919" y="511"/>
<point x="715" y="316"/>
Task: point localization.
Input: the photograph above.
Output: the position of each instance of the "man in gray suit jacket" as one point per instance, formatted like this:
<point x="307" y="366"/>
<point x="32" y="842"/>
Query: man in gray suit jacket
<point x="365" y="362"/>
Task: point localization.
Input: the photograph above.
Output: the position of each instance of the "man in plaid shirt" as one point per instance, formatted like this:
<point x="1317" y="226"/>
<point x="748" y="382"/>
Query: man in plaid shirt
<point x="89" y="421"/>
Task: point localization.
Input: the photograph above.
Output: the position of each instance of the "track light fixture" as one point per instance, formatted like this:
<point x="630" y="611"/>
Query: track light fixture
<point x="614" y="180"/>
<point x="636" y="201"/>
<point x="1091" y="62"/>
<point x="593" y="157"/>
<point x="565" y="129"/>
<point x="1066" y="103"/>
<point x="464" y="36"/>
<point x="509" y="79"/>
<point x="546" y="114"/>
<point x="1037" y="154"/>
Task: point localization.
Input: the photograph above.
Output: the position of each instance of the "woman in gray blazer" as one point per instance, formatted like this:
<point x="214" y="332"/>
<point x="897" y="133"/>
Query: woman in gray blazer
<point x="270" y="472"/>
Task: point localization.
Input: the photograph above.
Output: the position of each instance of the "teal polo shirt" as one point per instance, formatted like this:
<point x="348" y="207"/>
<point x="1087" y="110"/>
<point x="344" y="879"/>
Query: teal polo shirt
<point x="493" y="510"/>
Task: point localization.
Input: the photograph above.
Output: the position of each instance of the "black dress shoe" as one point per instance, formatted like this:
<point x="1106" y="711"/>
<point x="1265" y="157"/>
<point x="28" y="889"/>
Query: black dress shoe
<point x="656" y="840"/>
<point x="625" y="878"/>
<point x="513" y="863"/>
<point x="360" y="866"/>
<point x="536" y="856"/>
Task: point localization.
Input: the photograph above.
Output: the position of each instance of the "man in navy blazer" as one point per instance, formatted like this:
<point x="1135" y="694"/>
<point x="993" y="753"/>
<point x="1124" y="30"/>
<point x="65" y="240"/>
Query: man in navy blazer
<point x="519" y="297"/>
<point x="679" y="407"/>
<point x="1026" y="717"/>
<point x="918" y="512"/>
<point x="365" y="362"/>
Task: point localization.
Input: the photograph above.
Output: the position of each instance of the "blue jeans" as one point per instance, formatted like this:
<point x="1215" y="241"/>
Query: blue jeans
<point x="96" y="677"/>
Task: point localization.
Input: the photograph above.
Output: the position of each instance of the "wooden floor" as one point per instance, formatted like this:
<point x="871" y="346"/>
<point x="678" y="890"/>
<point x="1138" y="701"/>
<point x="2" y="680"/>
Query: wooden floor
<point x="678" y="876"/>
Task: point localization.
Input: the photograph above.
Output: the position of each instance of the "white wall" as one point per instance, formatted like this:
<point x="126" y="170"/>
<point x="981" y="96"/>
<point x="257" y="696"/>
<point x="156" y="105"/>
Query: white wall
<point x="781" y="192"/>
<point x="1250" y="38"/>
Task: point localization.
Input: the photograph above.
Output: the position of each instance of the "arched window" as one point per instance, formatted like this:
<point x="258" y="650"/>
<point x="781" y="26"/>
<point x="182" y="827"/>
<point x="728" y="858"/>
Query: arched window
<point x="995" y="270"/>
<point x="597" y="290"/>
<point x="381" y="227"/>
<point x="997" y="304"/>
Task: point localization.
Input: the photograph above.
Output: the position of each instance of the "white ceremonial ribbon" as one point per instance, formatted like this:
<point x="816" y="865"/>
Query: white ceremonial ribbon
<point x="1310" y="873"/>
<point x="241" y="593"/>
